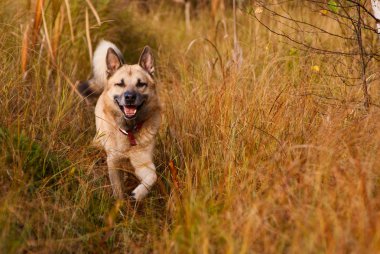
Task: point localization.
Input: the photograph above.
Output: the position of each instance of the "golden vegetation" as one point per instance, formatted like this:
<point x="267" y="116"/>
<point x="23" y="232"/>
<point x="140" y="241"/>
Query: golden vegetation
<point x="276" y="156"/>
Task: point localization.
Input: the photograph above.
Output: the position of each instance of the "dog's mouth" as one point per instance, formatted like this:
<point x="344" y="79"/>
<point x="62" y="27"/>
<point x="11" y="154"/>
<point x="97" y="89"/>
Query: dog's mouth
<point x="129" y="111"/>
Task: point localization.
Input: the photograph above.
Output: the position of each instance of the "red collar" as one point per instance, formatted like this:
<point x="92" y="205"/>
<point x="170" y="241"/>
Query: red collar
<point x="130" y="133"/>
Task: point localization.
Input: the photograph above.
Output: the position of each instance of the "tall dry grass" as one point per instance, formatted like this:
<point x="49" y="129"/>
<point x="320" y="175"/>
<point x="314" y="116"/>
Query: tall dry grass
<point x="276" y="156"/>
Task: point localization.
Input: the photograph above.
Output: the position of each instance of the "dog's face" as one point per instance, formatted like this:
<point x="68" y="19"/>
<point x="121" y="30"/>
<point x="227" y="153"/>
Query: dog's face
<point x="131" y="88"/>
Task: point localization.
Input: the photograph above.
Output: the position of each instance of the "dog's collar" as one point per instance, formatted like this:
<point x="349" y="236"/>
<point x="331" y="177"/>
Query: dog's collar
<point x="130" y="133"/>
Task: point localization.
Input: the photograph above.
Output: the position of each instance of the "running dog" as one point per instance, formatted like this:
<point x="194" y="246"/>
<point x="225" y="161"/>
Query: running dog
<point x="127" y="112"/>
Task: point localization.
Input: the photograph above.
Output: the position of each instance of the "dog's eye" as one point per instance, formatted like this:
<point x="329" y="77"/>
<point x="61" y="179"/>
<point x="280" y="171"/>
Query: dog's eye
<point x="141" y="84"/>
<point x="121" y="83"/>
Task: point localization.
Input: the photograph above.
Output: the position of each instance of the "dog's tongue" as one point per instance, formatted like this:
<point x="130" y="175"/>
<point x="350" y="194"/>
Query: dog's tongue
<point x="130" y="111"/>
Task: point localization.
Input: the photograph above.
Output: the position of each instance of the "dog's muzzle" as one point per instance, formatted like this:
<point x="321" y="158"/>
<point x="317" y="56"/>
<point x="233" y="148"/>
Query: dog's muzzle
<point x="130" y="103"/>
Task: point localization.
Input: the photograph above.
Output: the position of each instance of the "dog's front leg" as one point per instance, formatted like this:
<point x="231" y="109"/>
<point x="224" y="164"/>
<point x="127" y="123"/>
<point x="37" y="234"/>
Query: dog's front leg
<point x="113" y="172"/>
<point x="145" y="172"/>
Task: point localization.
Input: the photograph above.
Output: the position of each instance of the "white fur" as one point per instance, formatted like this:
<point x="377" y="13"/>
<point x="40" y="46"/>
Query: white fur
<point x="145" y="172"/>
<point x="99" y="64"/>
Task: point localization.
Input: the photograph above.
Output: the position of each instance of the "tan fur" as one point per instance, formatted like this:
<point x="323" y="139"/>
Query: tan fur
<point x="109" y="118"/>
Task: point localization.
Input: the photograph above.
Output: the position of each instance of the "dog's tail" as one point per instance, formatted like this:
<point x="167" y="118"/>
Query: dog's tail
<point x="99" y="65"/>
<point x="91" y="89"/>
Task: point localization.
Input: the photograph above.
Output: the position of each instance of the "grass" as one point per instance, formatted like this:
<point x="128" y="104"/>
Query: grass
<point x="276" y="156"/>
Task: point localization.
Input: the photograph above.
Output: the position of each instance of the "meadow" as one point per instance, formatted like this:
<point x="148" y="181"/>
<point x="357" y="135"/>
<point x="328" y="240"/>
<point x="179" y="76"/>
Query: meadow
<point x="276" y="154"/>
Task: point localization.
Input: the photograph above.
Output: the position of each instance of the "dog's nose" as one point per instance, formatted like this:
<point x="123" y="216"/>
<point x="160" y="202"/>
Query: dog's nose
<point x="130" y="97"/>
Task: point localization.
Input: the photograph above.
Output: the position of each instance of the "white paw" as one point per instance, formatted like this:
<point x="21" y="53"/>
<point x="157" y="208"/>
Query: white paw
<point x="140" y="192"/>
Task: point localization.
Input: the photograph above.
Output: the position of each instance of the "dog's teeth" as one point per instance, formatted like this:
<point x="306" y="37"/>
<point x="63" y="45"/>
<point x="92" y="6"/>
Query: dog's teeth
<point x="130" y="111"/>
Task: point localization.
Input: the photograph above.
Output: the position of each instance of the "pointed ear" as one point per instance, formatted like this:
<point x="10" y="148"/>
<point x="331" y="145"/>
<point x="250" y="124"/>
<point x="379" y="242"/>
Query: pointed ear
<point x="113" y="61"/>
<point x="146" y="60"/>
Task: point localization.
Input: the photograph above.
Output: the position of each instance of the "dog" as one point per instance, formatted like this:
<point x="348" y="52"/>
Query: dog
<point x="127" y="113"/>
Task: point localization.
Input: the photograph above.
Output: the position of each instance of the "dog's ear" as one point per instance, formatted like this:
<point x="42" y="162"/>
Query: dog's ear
<point x="146" y="60"/>
<point x="113" y="61"/>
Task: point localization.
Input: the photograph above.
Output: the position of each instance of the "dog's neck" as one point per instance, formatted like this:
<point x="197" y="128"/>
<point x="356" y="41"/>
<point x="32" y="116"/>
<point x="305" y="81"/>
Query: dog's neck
<point x="130" y="131"/>
<point x="129" y="124"/>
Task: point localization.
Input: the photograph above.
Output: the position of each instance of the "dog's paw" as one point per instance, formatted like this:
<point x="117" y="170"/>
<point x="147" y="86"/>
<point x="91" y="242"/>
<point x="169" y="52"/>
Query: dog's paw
<point x="139" y="193"/>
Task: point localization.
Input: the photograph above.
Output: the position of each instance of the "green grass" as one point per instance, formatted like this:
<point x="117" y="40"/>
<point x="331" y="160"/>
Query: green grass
<point x="272" y="157"/>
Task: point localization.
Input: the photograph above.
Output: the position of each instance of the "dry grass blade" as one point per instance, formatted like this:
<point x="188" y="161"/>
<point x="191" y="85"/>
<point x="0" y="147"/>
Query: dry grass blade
<point x="110" y="220"/>
<point x="46" y="32"/>
<point x="37" y="20"/>
<point x="24" y="50"/>
<point x="94" y="12"/>
<point x="70" y="20"/>
<point x="214" y="7"/>
<point x="191" y="44"/>
<point x="237" y="55"/>
<point x="187" y="15"/>
<point x="88" y="36"/>
<point x="174" y="174"/>
<point x="57" y="31"/>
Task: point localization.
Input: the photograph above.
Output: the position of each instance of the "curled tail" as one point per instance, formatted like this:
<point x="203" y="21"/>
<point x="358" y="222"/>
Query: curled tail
<point x="91" y="89"/>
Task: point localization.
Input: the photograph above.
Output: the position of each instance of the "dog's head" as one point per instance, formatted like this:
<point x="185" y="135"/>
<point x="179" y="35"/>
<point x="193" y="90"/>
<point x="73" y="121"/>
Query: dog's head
<point x="131" y="87"/>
